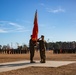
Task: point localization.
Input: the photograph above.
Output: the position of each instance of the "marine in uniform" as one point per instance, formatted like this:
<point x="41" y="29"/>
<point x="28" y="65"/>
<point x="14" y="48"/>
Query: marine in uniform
<point x="32" y="49"/>
<point x="42" y="47"/>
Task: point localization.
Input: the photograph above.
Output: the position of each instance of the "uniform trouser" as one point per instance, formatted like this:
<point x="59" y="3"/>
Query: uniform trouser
<point x="42" y="54"/>
<point x="55" y="51"/>
<point x="32" y="51"/>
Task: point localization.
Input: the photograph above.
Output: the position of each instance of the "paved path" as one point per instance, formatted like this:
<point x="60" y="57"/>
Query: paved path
<point x="26" y="63"/>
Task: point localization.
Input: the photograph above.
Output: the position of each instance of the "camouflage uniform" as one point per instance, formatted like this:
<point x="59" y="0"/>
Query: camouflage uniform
<point x="42" y="47"/>
<point x="32" y="50"/>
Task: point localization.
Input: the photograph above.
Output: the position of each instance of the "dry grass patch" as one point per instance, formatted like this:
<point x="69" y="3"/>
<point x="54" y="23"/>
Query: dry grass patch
<point x="49" y="56"/>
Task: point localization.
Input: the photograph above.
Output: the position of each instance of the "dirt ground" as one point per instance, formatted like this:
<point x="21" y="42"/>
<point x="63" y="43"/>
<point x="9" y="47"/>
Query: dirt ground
<point x="63" y="70"/>
<point x="49" y="56"/>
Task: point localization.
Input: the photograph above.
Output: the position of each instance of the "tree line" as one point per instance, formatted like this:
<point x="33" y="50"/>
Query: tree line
<point x="57" y="47"/>
<point x="6" y="49"/>
<point x="62" y="47"/>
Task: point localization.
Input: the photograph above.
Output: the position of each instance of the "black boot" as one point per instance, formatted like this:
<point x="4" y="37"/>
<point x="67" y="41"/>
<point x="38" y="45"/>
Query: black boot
<point x="32" y="61"/>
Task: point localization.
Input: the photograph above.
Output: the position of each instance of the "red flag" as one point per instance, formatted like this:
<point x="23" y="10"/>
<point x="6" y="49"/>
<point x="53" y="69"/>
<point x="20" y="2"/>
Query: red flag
<point x="35" y="28"/>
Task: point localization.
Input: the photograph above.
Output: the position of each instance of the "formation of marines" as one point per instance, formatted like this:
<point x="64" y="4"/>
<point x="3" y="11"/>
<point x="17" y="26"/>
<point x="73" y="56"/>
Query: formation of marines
<point x="64" y="47"/>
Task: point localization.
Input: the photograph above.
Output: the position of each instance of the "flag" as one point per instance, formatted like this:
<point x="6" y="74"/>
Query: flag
<point x="35" y="28"/>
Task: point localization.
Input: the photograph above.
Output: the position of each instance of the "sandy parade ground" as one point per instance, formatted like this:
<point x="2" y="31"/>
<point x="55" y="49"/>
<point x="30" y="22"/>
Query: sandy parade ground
<point x="63" y="70"/>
